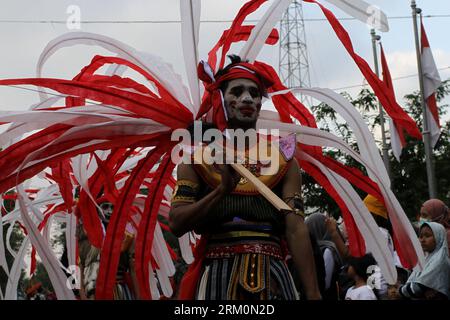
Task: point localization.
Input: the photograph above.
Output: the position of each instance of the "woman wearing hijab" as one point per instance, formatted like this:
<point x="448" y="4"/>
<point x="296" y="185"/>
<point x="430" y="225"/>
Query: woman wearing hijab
<point x="435" y="210"/>
<point x="316" y="224"/>
<point x="431" y="283"/>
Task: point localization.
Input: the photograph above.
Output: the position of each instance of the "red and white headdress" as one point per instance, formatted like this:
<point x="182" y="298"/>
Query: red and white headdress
<point x="214" y="96"/>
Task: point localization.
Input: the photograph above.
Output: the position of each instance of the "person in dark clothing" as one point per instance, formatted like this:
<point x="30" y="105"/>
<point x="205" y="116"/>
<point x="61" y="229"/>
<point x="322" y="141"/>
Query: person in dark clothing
<point x="331" y="259"/>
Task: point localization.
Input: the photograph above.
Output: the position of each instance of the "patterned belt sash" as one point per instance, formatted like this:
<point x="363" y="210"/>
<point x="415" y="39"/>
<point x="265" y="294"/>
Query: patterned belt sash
<point x="228" y="244"/>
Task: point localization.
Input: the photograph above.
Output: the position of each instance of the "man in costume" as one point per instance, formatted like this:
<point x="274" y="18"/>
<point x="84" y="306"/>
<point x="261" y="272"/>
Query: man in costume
<point x="244" y="256"/>
<point x="89" y="262"/>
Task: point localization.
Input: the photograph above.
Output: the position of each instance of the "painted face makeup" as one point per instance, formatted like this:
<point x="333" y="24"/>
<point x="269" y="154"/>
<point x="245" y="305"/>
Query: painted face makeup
<point x="243" y="101"/>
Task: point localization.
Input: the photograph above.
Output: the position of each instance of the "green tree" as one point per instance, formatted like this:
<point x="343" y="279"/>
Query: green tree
<point x="409" y="177"/>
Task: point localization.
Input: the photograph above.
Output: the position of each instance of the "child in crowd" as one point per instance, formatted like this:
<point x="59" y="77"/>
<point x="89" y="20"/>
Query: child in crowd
<point x="358" y="270"/>
<point x="432" y="282"/>
<point x="402" y="277"/>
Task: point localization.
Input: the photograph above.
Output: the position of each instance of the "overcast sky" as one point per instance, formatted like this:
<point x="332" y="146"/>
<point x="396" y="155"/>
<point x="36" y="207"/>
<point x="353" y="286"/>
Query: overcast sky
<point x="330" y="65"/>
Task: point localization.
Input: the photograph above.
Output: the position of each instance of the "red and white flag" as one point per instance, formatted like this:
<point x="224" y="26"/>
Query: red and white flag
<point x="431" y="81"/>
<point x="398" y="141"/>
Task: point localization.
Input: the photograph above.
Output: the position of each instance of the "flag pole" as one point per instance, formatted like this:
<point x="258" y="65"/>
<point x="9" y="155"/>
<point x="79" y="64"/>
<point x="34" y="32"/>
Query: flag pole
<point x="426" y="128"/>
<point x="385" y="148"/>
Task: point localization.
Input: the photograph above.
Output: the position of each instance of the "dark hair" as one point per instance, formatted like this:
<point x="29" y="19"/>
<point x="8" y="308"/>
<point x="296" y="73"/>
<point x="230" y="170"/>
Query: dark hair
<point x="383" y="223"/>
<point x="402" y="275"/>
<point x="234" y="59"/>
<point x="362" y="264"/>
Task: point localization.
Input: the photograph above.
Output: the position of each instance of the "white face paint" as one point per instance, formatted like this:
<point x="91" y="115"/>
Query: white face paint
<point x="107" y="209"/>
<point x="242" y="101"/>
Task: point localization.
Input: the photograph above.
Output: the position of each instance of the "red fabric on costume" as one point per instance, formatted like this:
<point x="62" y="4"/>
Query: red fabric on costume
<point x="156" y="109"/>
<point x="382" y="92"/>
<point x="240" y="35"/>
<point x="61" y="173"/>
<point x="356" y="242"/>
<point x="110" y="254"/>
<point x="353" y="175"/>
<point x="188" y="285"/>
<point x="287" y="104"/>
<point x="32" y="261"/>
<point x="99" y="61"/>
<point x="246" y="9"/>
<point x="144" y="239"/>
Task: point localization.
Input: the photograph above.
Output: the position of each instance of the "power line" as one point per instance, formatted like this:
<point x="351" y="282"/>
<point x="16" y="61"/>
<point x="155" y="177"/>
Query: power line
<point x="389" y="18"/>
<point x="49" y="93"/>
<point x="394" y="79"/>
<point x="38" y="91"/>
<point x="203" y="21"/>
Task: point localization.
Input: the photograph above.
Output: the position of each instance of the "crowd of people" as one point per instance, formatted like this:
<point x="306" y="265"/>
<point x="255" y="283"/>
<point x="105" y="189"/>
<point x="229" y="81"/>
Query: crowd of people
<point x="351" y="278"/>
<point x="340" y="276"/>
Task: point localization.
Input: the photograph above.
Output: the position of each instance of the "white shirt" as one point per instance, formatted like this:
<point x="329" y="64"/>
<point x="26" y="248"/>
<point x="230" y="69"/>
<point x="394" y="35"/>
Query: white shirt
<point x="361" y="293"/>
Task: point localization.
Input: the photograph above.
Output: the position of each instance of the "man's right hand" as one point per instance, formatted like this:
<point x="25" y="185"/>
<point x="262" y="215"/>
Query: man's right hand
<point x="185" y="217"/>
<point x="230" y="178"/>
